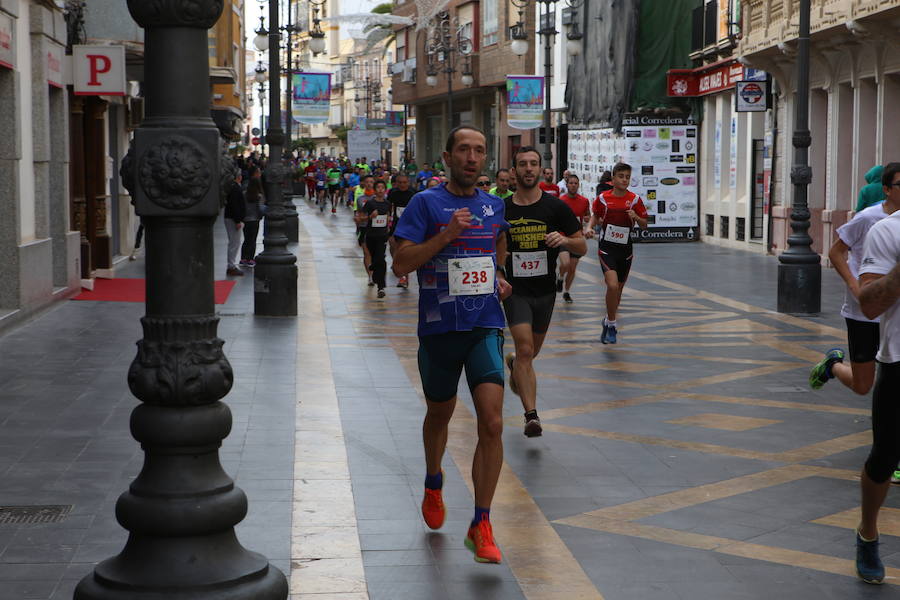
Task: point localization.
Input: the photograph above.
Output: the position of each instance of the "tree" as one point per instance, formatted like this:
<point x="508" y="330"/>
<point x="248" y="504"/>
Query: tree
<point x="341" y="133"/>
<point x="303" y="143"/>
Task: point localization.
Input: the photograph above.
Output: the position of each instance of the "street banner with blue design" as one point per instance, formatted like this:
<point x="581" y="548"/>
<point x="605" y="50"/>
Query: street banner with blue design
<point x="524" y="101"/>
<point x="311" y="98"/>
<point x="393" y="123"/>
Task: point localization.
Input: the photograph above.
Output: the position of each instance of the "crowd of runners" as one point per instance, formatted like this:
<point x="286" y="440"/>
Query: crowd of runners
<point x="493" y="251"/>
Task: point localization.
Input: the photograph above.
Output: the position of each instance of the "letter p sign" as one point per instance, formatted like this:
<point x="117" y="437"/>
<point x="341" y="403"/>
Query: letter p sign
<point x="99" y="64"/>
<point x="98" y="70"/>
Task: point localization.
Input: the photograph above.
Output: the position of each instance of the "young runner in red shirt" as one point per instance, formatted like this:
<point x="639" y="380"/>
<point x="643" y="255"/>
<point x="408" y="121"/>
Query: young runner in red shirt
<point x="568" y="260"/>
<point x="617" y="210"/>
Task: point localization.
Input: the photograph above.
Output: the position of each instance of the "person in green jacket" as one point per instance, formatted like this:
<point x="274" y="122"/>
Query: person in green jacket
<point x="871" y="193"/>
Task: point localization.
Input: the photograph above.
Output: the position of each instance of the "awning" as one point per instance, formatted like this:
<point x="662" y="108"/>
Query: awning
<point x="708" y="79"/>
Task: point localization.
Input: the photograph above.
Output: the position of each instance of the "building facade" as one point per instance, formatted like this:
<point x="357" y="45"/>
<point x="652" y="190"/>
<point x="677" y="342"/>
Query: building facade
<point x="854" y="99"/>
<point x="735" y="147"/>
<point x="40" y="251"/>
<point x="482" y="102"/>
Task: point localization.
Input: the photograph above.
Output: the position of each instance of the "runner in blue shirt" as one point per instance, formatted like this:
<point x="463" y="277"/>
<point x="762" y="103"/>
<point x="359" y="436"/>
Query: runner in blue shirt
<point x="451" y="235"/>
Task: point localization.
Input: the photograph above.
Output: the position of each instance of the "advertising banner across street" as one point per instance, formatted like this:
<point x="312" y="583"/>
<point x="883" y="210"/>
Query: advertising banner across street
<point x="662" y="152"/>
<point x="311" y="98"/>
<point x="364" y="143"/>
<point x="525" y="101"/>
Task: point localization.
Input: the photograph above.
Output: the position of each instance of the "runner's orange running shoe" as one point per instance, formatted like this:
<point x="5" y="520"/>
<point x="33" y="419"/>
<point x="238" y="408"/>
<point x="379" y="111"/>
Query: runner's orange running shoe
<point x="480" y="540"/>
<point x="433" y="510"/>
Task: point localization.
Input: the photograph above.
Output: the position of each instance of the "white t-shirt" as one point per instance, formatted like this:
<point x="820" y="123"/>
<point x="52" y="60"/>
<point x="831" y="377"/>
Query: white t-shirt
<point x="853" y="234"/>
<point x="882" y="254"/>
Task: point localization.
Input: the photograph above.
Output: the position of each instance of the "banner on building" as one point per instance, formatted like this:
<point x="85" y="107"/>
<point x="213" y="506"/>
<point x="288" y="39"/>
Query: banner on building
<point x="312" y="97"/>
<point x="98" y="70"/>
<point x="7" y="44"/>
<point x="524" y="101"/>
<point x="393" y="123"/>
<point x="360" y="123"/>
<point x="662" y="152"/>
<point x="364" y="143"/>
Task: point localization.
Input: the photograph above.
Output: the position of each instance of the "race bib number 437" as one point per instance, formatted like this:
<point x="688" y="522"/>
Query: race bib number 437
<point x="529" y="264"/>
<point x="471" y="276"/>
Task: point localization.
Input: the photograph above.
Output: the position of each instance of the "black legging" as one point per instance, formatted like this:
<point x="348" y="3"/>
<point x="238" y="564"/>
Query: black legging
<point x="376" y="245"/>
<point x="248" y="248"/>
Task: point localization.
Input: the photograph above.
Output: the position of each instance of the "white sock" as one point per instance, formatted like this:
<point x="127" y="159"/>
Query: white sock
<point x="610" y="323"/>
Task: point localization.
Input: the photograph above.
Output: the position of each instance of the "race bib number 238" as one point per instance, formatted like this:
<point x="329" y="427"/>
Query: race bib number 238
<point x="471" y="276"/>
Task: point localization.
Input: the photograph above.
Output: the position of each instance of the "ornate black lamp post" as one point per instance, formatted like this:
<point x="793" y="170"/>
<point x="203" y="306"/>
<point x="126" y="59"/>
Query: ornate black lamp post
<point x="548" y="31"/>
<point x="181" y="509"/>
<point x="799" y="268"/>
<point x="448" y="41"/>
<point x="275" y="275"/>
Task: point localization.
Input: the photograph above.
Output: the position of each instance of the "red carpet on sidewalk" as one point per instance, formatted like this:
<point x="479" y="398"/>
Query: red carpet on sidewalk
<point x="132" y="290"/>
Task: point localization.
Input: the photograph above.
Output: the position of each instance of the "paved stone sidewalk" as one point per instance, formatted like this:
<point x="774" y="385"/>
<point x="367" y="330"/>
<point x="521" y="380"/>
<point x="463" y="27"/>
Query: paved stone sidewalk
<point x="689" y="461"/>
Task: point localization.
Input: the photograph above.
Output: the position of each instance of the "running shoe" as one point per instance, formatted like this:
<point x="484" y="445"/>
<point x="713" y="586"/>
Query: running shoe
<point x="611" y="333"/>
<point x="333" y="210"/>
<point x="510" y="361"/>
<point x="250" y="263"/>
<point x="895" y="478"/>
<point x="533" y="427"/>
<point x="433" y="510"/>
<point x="605" y="331"/>
<point x="371" y="283"/>
<point x="480" y="540"/>
<point x="567" y="297"/>
<point x="819" y="374"/>
<point x="381" y="293"/>
<point x="403" y="282"/>
<point x="244" y="261"/>
<point x="869" y="567"/>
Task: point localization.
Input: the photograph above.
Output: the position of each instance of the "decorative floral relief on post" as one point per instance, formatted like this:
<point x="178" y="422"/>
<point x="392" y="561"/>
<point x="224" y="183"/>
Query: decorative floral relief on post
<point x="180" y="362"/>
<point x="175" y="173"/>
<point x="174" y="13"/>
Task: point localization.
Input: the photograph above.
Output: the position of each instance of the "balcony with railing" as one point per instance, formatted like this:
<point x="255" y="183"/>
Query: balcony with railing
<point x="767" y="23"/>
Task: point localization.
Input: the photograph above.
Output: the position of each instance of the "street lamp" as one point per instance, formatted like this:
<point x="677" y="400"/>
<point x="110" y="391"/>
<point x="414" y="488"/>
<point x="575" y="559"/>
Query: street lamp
<point x="448" y="40"/>
<point x="261" y="41"/>
<point x="181" y="509"/>
<point x="548" y="31"/>
<point x="799" y="268"/>
<point x="316" y="35"/>
<point x="275" y="274"/>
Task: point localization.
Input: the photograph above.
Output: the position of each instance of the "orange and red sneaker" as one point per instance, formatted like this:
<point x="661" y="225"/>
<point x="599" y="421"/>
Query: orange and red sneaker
<point x="433" y="510"/>
<point x="480" y="540"/>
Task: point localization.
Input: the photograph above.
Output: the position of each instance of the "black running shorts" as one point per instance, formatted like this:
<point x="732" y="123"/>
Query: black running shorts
<point x="616" y="260"/>
<point x="862" y="340"/>
<point x="534" y="310"/>
<point x="885" y="453"/>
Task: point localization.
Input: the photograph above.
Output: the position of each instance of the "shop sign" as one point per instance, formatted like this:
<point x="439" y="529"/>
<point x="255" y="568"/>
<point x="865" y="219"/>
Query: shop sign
<point x="751" y="96"/>
<point x="7" y="48"/>
<point x="99" y="70"/>
<point x="54" y="54"/>
<point x="703" y="80"/>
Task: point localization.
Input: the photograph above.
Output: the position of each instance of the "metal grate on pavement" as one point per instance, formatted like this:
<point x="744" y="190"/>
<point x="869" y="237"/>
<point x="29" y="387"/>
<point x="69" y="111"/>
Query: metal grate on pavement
<point x="34" y="514"/>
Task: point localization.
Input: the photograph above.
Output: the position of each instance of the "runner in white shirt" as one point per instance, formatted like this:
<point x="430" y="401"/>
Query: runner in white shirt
<point x="862" y="333"/>
<point x="879" y="282"/>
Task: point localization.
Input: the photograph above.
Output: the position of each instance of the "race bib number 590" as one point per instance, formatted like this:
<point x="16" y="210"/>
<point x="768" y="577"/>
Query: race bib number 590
<point x="616" y="234"/>
<point x="471" y="276"/>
